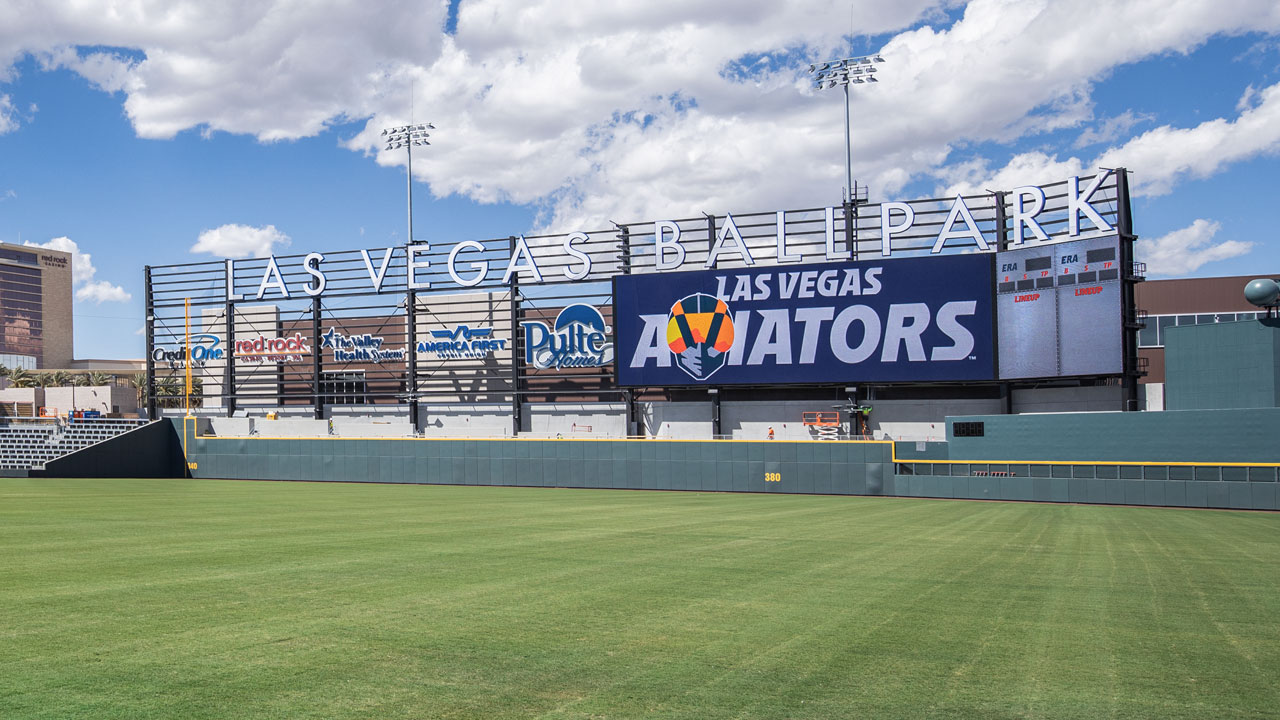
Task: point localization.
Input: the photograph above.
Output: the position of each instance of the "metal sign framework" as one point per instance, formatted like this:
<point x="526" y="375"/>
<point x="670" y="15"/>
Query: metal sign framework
<point x="371" y="338"/>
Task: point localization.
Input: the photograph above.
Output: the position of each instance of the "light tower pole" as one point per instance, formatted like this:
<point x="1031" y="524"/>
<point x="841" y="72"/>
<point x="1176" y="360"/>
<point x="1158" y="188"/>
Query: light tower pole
<point x="407" y="136"/>
<point x="850" y="71"/>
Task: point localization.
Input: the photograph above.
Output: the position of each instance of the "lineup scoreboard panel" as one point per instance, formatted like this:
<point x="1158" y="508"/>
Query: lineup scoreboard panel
<point x="1059" y="310"/>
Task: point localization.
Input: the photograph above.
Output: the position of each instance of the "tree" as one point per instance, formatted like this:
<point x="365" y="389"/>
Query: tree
<point x="100" y="378"/>
<point x="4" y="371"/>
<point x="60" y="378"/>
<point x="21" y="378"/>
<point x="80" y="380"/>
<point x="139" y="383"/>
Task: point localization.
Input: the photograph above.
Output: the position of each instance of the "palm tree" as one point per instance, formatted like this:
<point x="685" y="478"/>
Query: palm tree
<point x="79" y="380"/>
<point x="21" y="378"/>
<point x="139" y="383"/>
<point x="4" y="371"/>
<point x="43" y="379"/>
<point x="60" y="378"/>
<point x="99" y="378"/>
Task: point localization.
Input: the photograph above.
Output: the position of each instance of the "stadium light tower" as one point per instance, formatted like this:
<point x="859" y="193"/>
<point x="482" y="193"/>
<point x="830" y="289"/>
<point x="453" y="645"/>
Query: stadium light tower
<point x="407" y="137"/>
<point x="850" y="71"/>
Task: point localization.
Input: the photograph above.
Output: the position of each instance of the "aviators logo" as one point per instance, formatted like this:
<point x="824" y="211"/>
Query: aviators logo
<point x="699" y="333"/>
<point x="579" y="339"/>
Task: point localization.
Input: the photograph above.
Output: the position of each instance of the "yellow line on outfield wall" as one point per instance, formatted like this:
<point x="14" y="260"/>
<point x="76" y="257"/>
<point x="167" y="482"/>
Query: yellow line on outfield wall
<point x="893" y="452"/>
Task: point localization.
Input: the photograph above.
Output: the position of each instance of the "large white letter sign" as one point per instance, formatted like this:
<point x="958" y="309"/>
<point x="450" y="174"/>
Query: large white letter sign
<point x="522" y="250"/>
<point x="1023" y="215"/>
<point x="831" y="238"/>
<point x="481" y="268"/>
<point x="311" y="263"/>
<point x="377" y="277"/>
<point x="582" y="257"/>
<point x="783" y="255"/>
<point x="730" y="228"/>
<point x="661" y="245"/>
<point x="959" y="211"/>
<point x="231" y="281"/>
<point x="1078" y="202"/>
<point x="413" y="264"/>
<point x="272" y="271"/>
<point x="887" y="230"/>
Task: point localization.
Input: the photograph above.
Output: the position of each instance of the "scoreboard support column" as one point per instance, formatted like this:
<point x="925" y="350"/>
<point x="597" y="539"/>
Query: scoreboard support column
<point x="1124" y="227"/>
<point x="151" y="345"/>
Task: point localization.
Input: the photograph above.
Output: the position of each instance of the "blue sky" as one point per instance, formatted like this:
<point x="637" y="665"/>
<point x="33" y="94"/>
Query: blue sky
<point x="127" y="138"/>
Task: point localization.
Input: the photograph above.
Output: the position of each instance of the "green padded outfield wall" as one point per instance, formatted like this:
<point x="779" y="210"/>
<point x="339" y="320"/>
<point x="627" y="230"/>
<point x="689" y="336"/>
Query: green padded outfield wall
<point x="1206" y="436"/>
<point x="837" y="468"/>
<point x="1222" y="365"/>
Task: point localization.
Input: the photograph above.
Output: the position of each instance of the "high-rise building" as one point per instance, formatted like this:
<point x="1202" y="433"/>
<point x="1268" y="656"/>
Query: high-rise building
<point x="35" y="308"/>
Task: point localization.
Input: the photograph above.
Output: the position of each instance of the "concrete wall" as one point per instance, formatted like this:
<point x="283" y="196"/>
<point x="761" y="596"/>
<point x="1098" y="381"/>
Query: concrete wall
<point x="465" y="419"/>
<point x="919" y="419"/>
<point x="291" y="427"/>
<point x="34" y="396"/>
<point x="1152" y="396"/>
<point x="103" y="398"/>
<point x="578" y="420"/>
<point x="680" y="420"/>
<point x="1100" y="398"/>
<point x="370" y="427"/>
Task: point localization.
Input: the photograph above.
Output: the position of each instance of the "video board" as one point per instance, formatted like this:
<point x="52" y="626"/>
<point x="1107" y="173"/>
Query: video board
<point x="913" y="319"/>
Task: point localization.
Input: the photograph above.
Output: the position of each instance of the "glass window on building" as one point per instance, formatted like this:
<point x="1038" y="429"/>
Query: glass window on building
<point x="1162" y="322"/>
<point x="1149" y="336"/>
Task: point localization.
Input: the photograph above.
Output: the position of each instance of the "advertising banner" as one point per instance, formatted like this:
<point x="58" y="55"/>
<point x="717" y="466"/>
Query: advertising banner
<point x="910" y="319"/>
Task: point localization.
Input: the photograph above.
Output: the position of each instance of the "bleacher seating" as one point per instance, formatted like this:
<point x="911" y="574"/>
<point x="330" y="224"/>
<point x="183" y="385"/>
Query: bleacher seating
<point x="25" y="445"/>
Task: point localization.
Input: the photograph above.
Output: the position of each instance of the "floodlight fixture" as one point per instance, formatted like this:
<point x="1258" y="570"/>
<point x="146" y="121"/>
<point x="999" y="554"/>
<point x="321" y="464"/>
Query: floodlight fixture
<point x="856" y="71"/>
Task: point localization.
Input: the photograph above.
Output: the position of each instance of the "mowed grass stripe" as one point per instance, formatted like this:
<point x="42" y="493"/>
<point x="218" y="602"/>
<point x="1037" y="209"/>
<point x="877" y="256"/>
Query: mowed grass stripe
<point x="137" y="599"/>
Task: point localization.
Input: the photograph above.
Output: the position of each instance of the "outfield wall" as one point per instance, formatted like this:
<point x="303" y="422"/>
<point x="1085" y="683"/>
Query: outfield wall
<point x="836" y="468"/>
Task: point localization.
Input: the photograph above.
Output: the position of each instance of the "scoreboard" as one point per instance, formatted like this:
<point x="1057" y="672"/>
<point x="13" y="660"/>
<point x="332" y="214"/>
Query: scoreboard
<point x="1059" y="310"/>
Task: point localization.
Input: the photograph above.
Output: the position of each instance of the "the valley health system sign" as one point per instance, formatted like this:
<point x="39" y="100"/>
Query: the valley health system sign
<point x="912" y="319"/>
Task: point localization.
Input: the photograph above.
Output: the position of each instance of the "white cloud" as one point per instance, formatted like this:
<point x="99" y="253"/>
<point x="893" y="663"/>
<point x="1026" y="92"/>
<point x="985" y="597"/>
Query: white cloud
<point x="82" y="273"/>
<point x="82" y="269"/>
<point x="1111" y="128"/>
<point x="1185" y="250"/>
<point x="1166" y="155"/>
<point x="237" y="241"/>
<point x="102" y="291"/>
<point x="1160" y="158"/>
<point x="8" y="194"/>
<point x="8" y="115"/>
<point x="604" y="109"/>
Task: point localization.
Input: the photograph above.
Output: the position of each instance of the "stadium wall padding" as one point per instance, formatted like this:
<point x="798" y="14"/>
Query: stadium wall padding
<point x="1204" y="436"/>
<point x="836" y="468"/>
<point x="845" y="468"/>
<point x="151" y="451"/>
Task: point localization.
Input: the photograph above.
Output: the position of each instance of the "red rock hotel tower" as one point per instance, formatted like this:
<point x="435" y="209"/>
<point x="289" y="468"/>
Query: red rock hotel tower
<point x="35" y="307"/>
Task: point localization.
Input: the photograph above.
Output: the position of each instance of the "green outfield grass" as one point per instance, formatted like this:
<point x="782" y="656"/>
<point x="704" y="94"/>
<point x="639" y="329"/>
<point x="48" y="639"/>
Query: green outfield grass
<point x="199" y="599"/>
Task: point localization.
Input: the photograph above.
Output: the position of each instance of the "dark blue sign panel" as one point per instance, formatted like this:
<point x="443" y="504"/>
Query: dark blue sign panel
<point x="894" y="320"/>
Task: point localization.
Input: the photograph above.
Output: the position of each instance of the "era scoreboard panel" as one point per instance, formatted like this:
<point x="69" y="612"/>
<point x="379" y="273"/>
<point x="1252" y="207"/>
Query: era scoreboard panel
<point x="1059" y="310"/>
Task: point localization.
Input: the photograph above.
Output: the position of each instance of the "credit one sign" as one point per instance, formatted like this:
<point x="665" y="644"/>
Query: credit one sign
<point x="910" y="319"/>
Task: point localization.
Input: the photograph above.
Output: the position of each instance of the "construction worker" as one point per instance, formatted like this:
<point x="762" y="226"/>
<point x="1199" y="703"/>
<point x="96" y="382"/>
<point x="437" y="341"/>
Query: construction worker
<point x="770" y="432"/>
